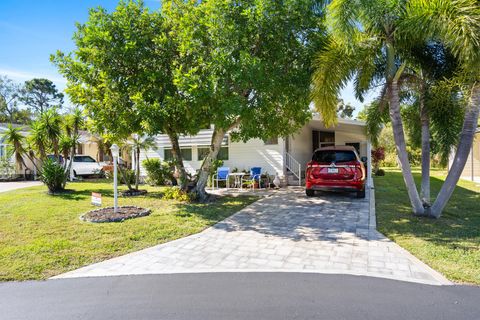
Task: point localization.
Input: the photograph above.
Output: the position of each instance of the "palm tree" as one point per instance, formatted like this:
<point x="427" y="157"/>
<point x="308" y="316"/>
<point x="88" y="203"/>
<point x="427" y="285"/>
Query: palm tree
<point x="371" y="42"/>
<point x="457" y="24"/>
<point x="74" y="122"/>
<point x="50" y="123"/>
<point x="14" y="137"/>
<point x="366" y="35"/>
<point x="37" y="140"/>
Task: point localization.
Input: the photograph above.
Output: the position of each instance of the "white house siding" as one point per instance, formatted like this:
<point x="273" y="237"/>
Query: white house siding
<point x="254" y="153"/>
<point x="472" y="166"/>
<point x="300" y="143"/>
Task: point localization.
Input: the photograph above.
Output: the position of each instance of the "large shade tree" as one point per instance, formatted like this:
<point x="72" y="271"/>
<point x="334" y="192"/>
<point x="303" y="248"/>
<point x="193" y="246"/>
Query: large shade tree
<point x="122" y="71"/>
<point x="368" y="34"/>
<point x="251" y="67"/>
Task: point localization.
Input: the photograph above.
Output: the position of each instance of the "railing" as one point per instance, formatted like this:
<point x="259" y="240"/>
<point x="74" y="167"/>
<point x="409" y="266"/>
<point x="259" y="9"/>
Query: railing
<point x="294" y="166"/>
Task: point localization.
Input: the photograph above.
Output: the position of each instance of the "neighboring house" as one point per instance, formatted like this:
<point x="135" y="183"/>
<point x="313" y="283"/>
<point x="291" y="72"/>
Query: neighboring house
<point x="285" y="157"/>
<point x="4" y="148"/>
<point x="88" y="145"/>
<point x="472" y="166"/>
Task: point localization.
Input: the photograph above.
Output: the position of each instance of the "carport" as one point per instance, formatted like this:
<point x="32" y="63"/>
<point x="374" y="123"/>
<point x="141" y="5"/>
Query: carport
<point x="300" y="146"/>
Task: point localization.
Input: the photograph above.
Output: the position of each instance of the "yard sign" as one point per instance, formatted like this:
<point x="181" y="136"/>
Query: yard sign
<point x="97" y="199"/>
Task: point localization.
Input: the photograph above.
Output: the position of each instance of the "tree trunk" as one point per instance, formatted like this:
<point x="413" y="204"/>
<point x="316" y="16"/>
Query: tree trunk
<point x="207" y="164"/>
<point x="425" y="121"/>
<point x="137" y="167"/>
<point x="69" y="170"/>
<point x="470" y="124"/>
<point x="125" y="178"/>
<point x="399" y="137"/>
<point x="178" y="159"/>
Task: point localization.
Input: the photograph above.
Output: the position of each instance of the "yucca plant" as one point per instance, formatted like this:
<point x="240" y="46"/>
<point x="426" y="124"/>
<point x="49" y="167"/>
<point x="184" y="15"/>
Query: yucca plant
<point x="53" y="176"/>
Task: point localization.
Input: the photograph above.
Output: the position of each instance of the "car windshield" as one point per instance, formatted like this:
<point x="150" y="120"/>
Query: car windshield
<point x="83" y="159"/>
<point x="334" y="156"/>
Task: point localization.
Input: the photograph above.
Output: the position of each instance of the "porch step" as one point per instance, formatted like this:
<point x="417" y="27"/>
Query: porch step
<point x="292" y="180"/>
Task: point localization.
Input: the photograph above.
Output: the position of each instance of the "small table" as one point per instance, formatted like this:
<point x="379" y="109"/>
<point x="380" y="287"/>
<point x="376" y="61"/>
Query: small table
<point x="237" y="178"/>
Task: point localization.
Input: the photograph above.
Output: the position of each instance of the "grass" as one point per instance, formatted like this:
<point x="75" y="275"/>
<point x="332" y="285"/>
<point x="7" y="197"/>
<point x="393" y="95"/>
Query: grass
<point x="451" y="244"/>
<point x="42" y="236"/>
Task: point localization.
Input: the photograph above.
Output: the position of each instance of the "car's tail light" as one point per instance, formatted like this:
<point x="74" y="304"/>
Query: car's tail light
<point x="359" y="171"/>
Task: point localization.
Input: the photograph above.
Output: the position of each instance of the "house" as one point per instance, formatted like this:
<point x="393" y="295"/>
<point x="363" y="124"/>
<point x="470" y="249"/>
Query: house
<point x="89" y="144"/>
<point x="4" y="153"/>
<point x="286" y="157"/>
<point x="472" y="166"/>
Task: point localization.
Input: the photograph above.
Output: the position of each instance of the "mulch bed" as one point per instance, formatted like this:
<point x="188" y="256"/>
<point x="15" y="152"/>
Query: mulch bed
<point x="133" y="193"/>
<point x="107" y="214"/>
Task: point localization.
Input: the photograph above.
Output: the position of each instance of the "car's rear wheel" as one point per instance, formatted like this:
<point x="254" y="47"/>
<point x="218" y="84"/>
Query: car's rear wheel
<point x="310" y="193"/>
<point x="361" y="194"/>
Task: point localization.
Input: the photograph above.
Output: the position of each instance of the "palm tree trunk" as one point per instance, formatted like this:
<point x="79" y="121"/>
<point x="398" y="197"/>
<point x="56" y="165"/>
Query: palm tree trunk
<point x="127" y="182"/>
<point x="470" y="124"/>
<point x="207" y="164"/>
<point x="137" y="167"/>
<point x="425" y="122"/>
<point x="399" y="137"/>
<point x="178" y="159"/>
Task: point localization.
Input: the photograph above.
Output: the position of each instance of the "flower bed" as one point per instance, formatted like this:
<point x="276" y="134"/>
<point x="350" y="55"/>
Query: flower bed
<point x="108" y="215"/>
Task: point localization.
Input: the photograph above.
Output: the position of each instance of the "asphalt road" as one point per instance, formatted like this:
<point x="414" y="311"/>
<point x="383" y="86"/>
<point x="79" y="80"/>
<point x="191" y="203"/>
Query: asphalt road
<point x="236" y="296"/>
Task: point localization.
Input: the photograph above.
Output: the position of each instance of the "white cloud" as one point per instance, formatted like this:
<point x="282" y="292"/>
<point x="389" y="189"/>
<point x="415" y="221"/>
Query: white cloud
<point x="20" y="76"/>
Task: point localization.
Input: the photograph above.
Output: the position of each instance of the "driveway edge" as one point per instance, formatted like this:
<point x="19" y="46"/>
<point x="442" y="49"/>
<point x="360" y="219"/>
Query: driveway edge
<point x="373" y="228"/>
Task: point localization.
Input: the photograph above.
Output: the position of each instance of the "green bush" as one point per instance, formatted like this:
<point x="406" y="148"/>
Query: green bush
<point x="129" y="175"/>
<point x="157" y="172"/>
<point x="7" y="168"/>
<point x="175" y="193"/>
<point x="53" y="176"/>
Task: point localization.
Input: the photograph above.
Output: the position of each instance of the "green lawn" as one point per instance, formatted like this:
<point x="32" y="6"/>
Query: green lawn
<point x="42" y="235"/>
<point x="451" y="244"/>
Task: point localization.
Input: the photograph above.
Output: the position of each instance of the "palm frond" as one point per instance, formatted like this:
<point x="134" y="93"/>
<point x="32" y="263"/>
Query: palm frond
<point x="456" y="23"/>
<point x="333" y="69"/>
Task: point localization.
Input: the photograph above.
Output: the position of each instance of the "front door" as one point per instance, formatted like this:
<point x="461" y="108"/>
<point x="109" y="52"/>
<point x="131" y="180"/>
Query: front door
<point x="322" y="139"/>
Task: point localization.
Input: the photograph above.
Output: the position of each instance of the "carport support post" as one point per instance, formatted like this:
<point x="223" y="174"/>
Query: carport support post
<point x="369" y="164"/>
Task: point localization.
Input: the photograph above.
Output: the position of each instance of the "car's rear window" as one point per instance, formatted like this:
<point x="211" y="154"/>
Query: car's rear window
<point x="334" y="156"/>
<point x="83" y="159"/>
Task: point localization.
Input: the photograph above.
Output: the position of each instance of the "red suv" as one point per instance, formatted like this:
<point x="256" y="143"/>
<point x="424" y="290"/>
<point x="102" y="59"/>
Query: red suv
<point x="335" y="168"/>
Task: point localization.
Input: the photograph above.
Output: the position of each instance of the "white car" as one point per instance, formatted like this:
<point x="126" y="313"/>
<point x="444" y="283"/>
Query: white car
<point x="85" y="166"/>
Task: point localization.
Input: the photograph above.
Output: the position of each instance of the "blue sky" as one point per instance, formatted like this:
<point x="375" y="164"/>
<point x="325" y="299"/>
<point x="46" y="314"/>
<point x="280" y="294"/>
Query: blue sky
<point x="31" y="30"/>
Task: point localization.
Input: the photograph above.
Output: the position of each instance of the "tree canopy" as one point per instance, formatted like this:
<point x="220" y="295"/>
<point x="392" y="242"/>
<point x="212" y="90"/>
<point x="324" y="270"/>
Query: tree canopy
<point x="41" y="95"/>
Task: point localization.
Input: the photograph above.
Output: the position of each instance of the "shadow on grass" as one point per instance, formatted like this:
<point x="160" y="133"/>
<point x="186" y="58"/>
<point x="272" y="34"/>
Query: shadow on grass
<point x="83" y="194"/>
<point x="214" y="211"/>
<point x="457" y="228"/>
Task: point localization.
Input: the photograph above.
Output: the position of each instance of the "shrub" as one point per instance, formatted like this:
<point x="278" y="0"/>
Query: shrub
<point x="7" y="168"/>
<point x="380" y="172"/>
<point x="53" y="175"/>
<point x="129" y="175"/>
<point x="175" y="193"/>
<point x="378" y="155"/>
<point x="157" y="172"/>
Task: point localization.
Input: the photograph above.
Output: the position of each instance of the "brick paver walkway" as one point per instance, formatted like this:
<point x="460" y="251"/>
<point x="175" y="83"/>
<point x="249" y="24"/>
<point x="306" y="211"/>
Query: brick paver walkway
<point x="285" y="232"/>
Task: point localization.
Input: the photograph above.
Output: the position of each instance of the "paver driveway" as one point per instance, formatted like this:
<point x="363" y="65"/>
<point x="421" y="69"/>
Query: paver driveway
<point x="283" y="232"/>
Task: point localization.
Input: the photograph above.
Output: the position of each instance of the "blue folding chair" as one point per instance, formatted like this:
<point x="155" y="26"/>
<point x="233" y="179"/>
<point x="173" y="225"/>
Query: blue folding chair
<point x="221" y="175"/>
<point x="255" y="176"/>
